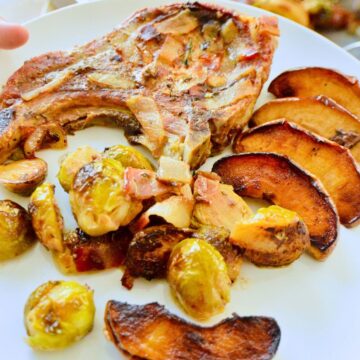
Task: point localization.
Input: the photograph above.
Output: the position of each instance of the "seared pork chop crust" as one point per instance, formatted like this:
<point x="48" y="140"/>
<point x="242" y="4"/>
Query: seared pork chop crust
<point x="180" y="79"/>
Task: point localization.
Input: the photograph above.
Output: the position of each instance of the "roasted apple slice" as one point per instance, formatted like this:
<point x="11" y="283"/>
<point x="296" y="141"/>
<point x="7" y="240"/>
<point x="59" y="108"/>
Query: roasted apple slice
<point x="278" y="180"/>
<point x="23" y="176"/>
<point x="313" y="81"/>
<point x="331" y="163"/>
<point x="320" y="115"/>
<point x="151" y="332"/>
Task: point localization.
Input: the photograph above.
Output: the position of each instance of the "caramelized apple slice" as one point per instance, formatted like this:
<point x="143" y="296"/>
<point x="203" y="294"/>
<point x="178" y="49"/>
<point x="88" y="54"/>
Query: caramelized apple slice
<point x="23" y="176"/>
<point x="331" y="163"/>
<point x="320" y="115"/>
<point x="151" y="332"/>
<point x="278" y="180"/>
<point x="313" y="81"/>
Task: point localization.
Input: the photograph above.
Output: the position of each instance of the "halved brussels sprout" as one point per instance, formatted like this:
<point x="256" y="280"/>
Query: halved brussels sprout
<point x="46" y="217"/>
<point x="16" y="233"/>
<point x="73" y="162"/>
<point x="217" y="204"/>
<point x="23" y="176"/>
<point x="97" y="198"/>
<point x="57" y="314"/>
<point x="273" y="237"/>
<point x="198" y="278"/>
<point x="218" y="237"/>
<point x="128" y="156"/>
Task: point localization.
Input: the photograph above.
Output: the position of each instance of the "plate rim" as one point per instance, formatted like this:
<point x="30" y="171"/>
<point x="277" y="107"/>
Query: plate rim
<point x="224" y="3"/>
<point x="231" y="3"/>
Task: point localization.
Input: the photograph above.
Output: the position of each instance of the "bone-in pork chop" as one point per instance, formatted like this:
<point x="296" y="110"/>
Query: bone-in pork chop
<point x="180" y="79"/>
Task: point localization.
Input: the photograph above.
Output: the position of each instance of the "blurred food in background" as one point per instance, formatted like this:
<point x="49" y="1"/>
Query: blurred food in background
<point x="316" y="14"/>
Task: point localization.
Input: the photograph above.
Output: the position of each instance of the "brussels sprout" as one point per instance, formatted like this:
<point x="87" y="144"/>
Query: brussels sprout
<point x="46" y="217"/>
<point x="198" y="278"/>
<point x="217" y="204"/>
<point x="128" y="156"/>
<point x="57" y="314"/>
<point x="16" y="233"/>
<point x="97" y="198"/>
<point x="73" y="162"/>
<point x="219" y="238"/>
<point x="274" y="236"/>
<point x="23" y="176"/>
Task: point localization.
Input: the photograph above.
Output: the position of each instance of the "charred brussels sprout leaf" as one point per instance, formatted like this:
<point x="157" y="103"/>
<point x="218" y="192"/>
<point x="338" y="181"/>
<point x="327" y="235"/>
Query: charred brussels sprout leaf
<point x="128" y="156"/>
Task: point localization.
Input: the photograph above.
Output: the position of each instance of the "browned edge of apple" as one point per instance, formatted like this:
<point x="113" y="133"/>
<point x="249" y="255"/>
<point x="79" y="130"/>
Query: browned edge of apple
<point x="280" y="86"/>
<point x="320" y="99"/>
<point x="131" y="328"/>
<point x="293" y="129"/>
<point x="322" y="246"/>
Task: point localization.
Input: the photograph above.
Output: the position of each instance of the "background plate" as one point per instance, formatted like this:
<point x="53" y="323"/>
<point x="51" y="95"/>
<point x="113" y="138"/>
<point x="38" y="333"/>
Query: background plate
<point x="316" y="304"/>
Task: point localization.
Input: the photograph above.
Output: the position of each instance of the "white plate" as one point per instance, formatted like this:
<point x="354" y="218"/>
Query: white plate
<point x="316" y="304"/>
